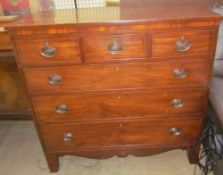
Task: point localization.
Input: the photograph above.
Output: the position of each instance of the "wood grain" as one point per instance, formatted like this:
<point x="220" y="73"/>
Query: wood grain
<point x="164" y="44"/>
<point x="67" y="49"/>
<point x="118" y="105"/>
<point x="95" y="48"/>
<point x="128" y="75"/>
<point x="123" y="134"/>
<point x="5" y="43"/>
<point x="13" y="97"/>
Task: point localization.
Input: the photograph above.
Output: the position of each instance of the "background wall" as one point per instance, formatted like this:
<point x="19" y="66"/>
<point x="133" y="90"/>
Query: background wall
<point x="1" y="12"/>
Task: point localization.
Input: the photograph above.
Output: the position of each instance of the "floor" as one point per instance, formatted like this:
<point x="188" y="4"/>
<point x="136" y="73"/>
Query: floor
<point x="21" y="154"/>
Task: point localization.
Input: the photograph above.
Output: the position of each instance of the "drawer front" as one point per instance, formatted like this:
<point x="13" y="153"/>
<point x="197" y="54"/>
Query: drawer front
<point x="182" y="43"/>
<point x="48" y="50"/>
<point x="174" y="131"/>
<point x="115" y="76"/>
<point x="65" y="137"/>
<point x="105" y="106"/>
<point x="114" y="47"/>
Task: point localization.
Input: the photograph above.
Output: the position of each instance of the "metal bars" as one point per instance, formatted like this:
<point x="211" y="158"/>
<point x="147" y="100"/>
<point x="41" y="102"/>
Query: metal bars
<point x="69" y="4"/>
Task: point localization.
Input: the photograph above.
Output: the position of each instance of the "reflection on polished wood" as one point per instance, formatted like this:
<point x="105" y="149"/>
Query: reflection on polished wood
<point x="127" y="11"/>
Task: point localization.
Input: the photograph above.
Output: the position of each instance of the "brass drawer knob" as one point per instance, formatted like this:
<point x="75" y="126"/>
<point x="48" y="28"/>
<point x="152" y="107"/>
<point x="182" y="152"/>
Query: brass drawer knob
<point x="62" y="109"/>
<point x="175" y="131"/>
<point x="183" y="45"/>
<point x="48" y="51"/>
<point x="55" y="79"/>
<point x="114" y="47"/>
<point x="180" y="73"/>
<point x="67" y="137"/>
<point x="177" y="103"/>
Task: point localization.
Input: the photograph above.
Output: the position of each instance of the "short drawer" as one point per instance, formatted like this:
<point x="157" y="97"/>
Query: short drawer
<point x="105" y="106"/>
<point x="174" y="131"/>
<point x="48" y="50"/>
<point x="113" y="47"/>
<point x="129" y="75"/>
<point x="182" y="43"/>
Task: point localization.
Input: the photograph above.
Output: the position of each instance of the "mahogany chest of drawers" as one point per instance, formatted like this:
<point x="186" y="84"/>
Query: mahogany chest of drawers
<point x="133" y="84"/>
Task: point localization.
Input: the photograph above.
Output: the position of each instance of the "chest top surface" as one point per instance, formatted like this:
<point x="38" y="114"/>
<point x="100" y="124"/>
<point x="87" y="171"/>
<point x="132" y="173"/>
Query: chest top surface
<point x="125" y="11"/>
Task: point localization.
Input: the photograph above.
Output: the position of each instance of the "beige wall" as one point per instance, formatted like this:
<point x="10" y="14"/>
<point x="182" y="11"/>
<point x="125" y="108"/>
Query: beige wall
<point x="34" y="5"/>
<point x="1" y="12"/>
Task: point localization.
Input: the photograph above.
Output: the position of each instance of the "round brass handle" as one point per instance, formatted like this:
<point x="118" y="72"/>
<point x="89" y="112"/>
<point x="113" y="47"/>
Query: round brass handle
<point x="114" y="47"/>
<point x="180" y="73"/>
<point x="183" y="45"/>
<point x="175" y="131"/>
<point x="48" y="51"/>
<point x="62" y="109"/>
<point x="177" y="103"/>
<point x="67" y="137"/>
<point x="55" y="79"/>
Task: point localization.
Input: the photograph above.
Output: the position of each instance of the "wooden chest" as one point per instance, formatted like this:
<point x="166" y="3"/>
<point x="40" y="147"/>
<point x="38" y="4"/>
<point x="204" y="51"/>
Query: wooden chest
<point x="134" y="83"/>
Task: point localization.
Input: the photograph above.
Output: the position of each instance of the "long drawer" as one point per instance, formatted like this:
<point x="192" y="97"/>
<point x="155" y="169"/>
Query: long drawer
<point x="116" y="76"/>
<point x="105" y="106"/>
<point x="68" y="137"/>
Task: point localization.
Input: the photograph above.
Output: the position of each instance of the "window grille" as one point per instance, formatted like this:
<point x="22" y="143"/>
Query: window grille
<point x="69" y="4"/>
